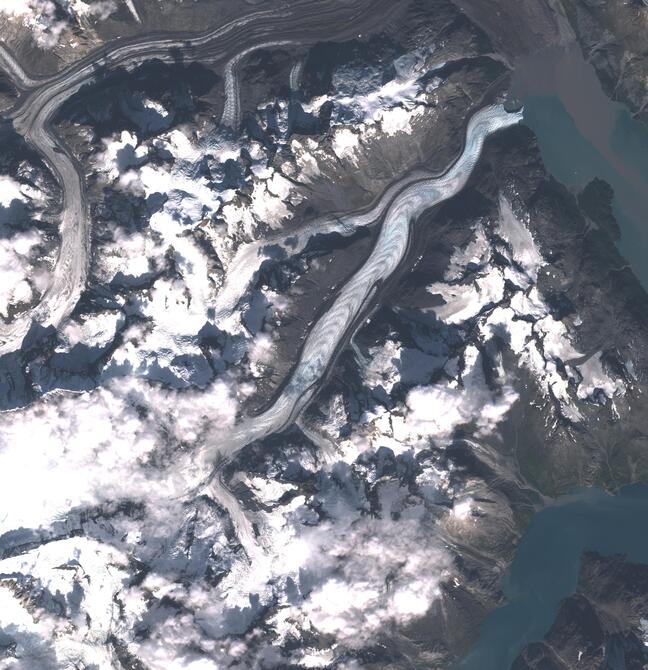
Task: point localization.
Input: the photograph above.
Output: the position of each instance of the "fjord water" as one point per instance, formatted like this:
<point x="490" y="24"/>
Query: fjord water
<point x="546" y="564"/>
<point x="583" y="134"/>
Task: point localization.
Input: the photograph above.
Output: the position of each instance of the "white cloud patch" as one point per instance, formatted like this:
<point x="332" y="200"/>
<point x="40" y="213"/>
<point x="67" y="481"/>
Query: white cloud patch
<point x="19" y="279"/>
<point x="120" y="153"/>
<point x="94" y="330"/>
<point x="438" y="410"/>
<point x="354" y="604"/>
<point x="42" y="18"/>
<point x="596" y="379"/>
<point x="82" y="576"/>
<point x="109" y="435"/>
<point x="543" y="343"/>
<point x="345" y="143"/>
<point x="363" y="98"/>
<point x="348" y="577"/>
<point x="10" y="190"/>
<point x="128" y="444"/>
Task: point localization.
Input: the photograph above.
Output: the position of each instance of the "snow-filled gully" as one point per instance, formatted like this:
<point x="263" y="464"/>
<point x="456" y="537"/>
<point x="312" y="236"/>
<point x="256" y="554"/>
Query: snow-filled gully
<point x="43" y="97"/>
<point x="398" y="207"/>
<point x="321" y="345"/>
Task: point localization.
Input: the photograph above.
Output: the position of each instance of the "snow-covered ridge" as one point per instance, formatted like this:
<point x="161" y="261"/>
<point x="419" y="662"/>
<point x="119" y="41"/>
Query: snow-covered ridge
<point x="361" y="99"/>
<point x="498" y="304"/>
<point x="24" y="272"/>
<point x="50" y="20"/>
<point x="344" y="551"/>
<point x="141" y="448"/>
<point x="519" y="313"/>
<point x="223" y="193"/>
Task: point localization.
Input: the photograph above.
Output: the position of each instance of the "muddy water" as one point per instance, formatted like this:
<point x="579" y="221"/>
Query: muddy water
<point x="546" y="564"/>
<point x="583" y="134"/>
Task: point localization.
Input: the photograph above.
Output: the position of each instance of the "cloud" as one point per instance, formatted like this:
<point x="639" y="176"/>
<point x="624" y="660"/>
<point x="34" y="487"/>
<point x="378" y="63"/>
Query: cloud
<point x="508" y="306"/>
<point x="116" y="467"/>
<point x="10" y="190"/>
<point x="343" y="581"/>
<point x="19" y="279"/>
<point x="101" y="9"/>
<point x="38" y="15"/>
<point x="381" y="571"/>
<point x="75" y="577"/>
<point x="42" y="16"/>
<point x="70" y="451"/>
<point x="438" y="410"/>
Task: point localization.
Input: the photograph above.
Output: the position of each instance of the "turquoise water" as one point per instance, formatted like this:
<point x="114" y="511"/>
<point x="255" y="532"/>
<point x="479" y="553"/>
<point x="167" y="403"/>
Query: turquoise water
<point x="582" y="134"/>
<point x="574" y="160"/>
<point x="546" y="564"/>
